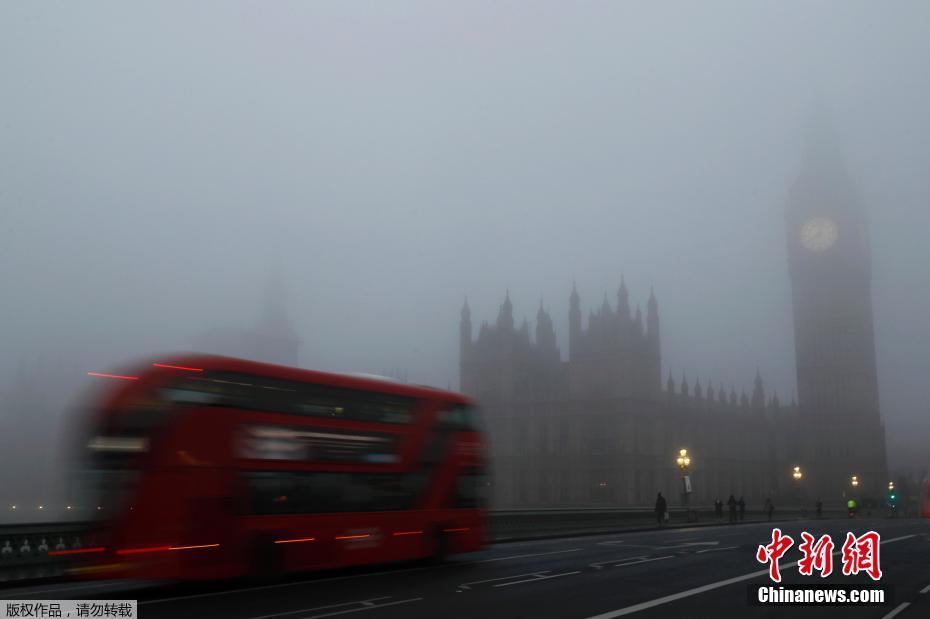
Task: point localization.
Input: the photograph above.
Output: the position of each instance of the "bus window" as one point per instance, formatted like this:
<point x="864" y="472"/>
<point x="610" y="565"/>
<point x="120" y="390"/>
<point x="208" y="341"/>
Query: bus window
<point x="279" y="492"/>
<point x="292" y="397"/>
<point x="460" y="417"/>
<point x="472" y="488"/>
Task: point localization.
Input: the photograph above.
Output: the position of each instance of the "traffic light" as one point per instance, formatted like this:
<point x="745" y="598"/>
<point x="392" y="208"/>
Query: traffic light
<point x="892" y="498"/>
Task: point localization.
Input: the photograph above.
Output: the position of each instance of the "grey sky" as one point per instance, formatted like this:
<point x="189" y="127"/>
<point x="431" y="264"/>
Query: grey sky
<point x="157" y="160"/>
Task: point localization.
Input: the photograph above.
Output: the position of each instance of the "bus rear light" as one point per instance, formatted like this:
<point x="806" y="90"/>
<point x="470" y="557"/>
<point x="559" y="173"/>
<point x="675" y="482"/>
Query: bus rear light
<point x="118" y="444"/>
<point x="176" y="367"/>
<point x="295" y="541"/>
<point x="75" y="551"/>
<point x="459" y="530"/>
<point x="119" y="376"/>
<point x="408" y="533"/>
<point x="353" y="536"/>
<point x="135" y="551"/>
<point x="194" y="547"/>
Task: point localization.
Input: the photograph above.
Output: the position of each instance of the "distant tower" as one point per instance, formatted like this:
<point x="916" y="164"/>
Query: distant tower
<point x="574" y="323"/>
<point x="653" y="345"/>
<point x="758" y="394"/>
<point x="274" y="339"/>
<point x="465" y="348"/>
<point x="829" y="260"/>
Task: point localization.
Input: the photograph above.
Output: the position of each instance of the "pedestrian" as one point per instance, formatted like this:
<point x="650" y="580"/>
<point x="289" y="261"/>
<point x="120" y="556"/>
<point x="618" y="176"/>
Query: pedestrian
<point x="819" y="507"/>
<point x="742" y="509"/>
<point x="718" y="509"/>
<point x="731" y="503"/>
<point x="769" y="508"/>
<point x="661" y="508"/>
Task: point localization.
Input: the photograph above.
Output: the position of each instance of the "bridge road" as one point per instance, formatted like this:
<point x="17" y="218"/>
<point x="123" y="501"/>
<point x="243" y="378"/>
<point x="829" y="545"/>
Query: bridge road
<point x="680" y="573"/>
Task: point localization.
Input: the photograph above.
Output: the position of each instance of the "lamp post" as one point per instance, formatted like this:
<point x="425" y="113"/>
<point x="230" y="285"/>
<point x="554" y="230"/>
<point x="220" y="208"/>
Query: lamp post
<point x="852" y="504"/>
<point x="797" y="475"/>
<point x="684" y="461"/>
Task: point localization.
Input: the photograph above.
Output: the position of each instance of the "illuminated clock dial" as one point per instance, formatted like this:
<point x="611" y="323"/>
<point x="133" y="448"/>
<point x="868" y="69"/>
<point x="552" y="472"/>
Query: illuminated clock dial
<point x="819" y="233"/>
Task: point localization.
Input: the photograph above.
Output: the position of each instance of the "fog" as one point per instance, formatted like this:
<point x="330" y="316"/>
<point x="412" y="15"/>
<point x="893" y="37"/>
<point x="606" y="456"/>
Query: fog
<point x="160" y="164"/>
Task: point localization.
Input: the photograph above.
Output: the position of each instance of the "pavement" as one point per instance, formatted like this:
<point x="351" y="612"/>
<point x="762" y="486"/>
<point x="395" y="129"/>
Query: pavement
<point x="682" y="573"/>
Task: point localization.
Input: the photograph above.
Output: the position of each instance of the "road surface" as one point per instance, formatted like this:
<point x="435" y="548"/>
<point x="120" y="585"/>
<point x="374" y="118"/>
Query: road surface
<point x="680" y="573"/>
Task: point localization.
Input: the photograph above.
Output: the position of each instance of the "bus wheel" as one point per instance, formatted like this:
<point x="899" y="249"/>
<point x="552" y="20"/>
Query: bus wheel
<point x="440" y="549"/>
<point x="266" y="563"/>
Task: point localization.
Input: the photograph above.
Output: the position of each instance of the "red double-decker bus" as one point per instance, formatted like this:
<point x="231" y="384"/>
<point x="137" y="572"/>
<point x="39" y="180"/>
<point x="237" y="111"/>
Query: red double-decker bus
<point x="211" y="467"/>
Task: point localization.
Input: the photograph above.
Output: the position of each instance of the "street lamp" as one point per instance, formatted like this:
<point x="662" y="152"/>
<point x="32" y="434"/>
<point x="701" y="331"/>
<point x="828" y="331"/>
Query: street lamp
<point x="890" y="485"/>
<point x="684" y="461"/>
<point x="855" y="481"/>
<point x="797" y="474"/>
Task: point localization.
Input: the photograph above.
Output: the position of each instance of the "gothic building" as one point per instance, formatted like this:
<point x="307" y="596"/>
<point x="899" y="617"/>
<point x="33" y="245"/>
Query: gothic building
<point x="597" y="427"/>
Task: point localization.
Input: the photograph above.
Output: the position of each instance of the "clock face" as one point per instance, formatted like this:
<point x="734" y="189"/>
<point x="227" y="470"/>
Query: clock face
<point x="819" y="233"/>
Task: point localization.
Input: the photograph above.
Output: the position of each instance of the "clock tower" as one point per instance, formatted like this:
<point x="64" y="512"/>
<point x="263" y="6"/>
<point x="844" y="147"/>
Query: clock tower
<point x="829" y="262"/>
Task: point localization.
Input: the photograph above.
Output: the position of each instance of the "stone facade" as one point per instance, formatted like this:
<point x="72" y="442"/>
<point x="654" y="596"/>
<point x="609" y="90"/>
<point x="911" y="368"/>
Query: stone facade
<point x="598" y="429"/>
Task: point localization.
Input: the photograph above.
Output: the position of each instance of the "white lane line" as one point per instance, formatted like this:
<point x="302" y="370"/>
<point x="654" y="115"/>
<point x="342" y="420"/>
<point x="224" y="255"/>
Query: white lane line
<point x="314" y="581"/>
<point x="688" y="545"/>
<point x="635" y="608"/>
<point x="356" y="610"/>
<point x="327" y="607"/>
<point x="467" y="585"/>
<point x="642" y="561"/>
<point x="601" y="564"/>
<point x="716" y="549"/>
<point x="925" y="589"/>
<point x="898" y="609"/>
<point x="539" y="576"/>
<point x="537" y="554"/>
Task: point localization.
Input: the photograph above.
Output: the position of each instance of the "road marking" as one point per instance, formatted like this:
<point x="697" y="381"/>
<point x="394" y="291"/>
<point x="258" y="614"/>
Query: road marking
<point x="688" y="545"/>
<point x="716" y="549"/>
<point x="467" y="586"/>
<point x="635" y="608"/>
<point x="307" y="610"/>
<point x="313" y="581"/>
<point x="539" y="576"/>
<point x="537" y="554"/>
<point x="601" y="564"/>
<point x="925" y="589"/>
<point x="368" y="604"/>
<point x="898" y="609"/>
<point x="642" y="561"/>
<point x="372" y="607"/>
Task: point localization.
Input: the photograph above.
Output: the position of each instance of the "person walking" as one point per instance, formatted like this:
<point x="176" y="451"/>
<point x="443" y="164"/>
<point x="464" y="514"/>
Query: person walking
<point x="661" y="508"/>
<point x="718" y="509"/>
<point x="742" y="509"/>
<point x="731" y="503"/>
<point x="769" y="508"/>
<point x="819" y="508"/>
